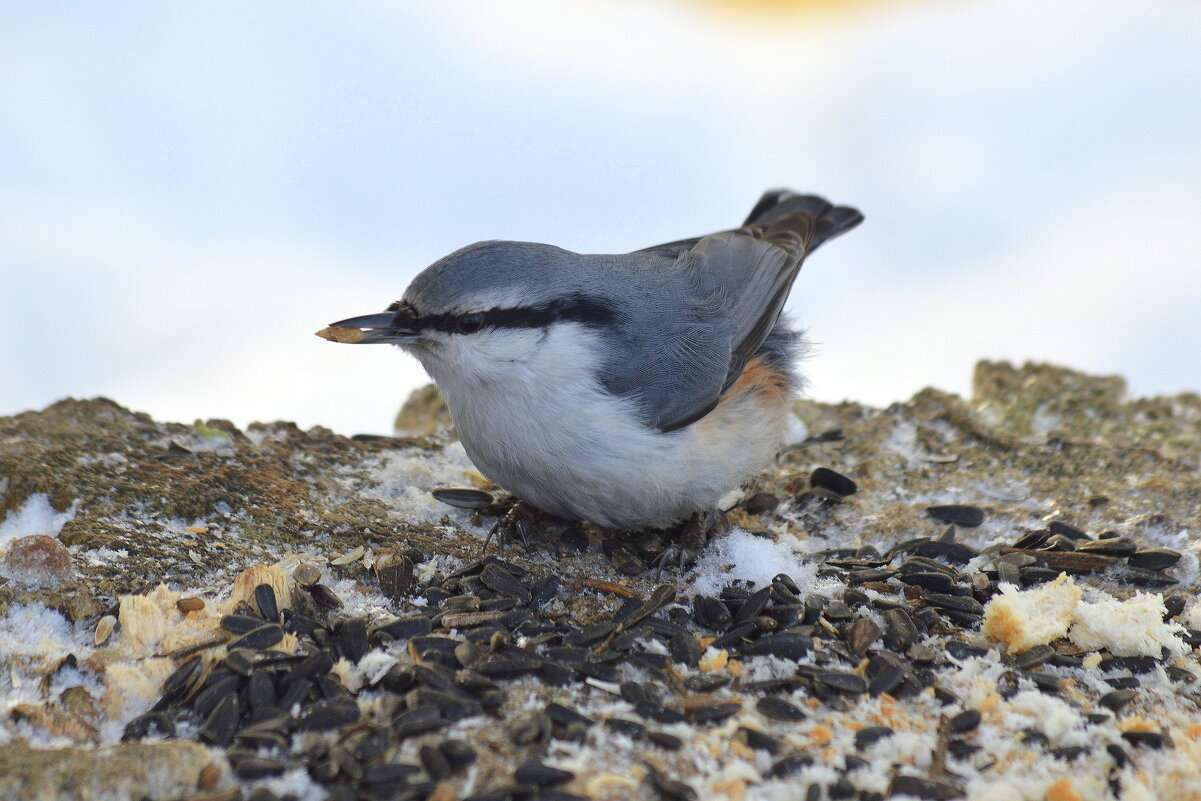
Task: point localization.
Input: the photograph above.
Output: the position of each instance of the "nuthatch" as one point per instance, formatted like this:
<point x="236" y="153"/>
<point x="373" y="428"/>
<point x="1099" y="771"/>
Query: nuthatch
<point x="627" y="390"/>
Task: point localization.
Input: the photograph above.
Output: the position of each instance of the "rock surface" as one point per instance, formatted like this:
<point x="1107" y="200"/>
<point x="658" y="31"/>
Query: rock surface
<point x="1062" y="471"/>
<point x="131" y="770"/>
<point x="38" y="560"/>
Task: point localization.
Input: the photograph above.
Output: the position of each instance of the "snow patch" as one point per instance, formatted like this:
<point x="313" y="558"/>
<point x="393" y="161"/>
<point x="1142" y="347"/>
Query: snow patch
<point x="742" y="556"/>
<point x="36" y="516"/>
<point x="405" y="479"/>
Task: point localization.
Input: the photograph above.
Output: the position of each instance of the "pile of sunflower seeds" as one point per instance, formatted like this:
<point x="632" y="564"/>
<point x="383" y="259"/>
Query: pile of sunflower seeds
<point x="903" y="618"/>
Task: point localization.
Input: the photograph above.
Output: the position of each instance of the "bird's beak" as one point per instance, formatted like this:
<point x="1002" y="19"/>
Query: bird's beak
<point x="396" y="328"/>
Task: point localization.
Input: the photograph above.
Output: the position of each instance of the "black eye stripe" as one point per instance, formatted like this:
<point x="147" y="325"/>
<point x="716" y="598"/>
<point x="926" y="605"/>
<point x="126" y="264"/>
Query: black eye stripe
<point x="579" y="309"/>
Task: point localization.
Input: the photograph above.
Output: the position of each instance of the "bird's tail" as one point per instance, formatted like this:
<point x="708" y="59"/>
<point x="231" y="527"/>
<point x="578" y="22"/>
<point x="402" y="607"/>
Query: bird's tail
<point x="831" y="220"/>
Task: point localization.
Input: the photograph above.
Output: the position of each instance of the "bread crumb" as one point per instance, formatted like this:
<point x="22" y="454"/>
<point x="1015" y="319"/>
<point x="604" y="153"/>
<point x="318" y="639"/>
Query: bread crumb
<point x="1022" y="619"/>
<point x="1062" y="790"/>
<point x="605" y="782"/>
<point x="1136" y="724"/>
<point x="253" y="576"/>
<point x="1134" y="627"/>
<point x="734" y="788"/>
<point x="743" y="751"/>
<point x="715" y="661"/>
<point x="340" y="334"/>
<point x="142" y="622"/>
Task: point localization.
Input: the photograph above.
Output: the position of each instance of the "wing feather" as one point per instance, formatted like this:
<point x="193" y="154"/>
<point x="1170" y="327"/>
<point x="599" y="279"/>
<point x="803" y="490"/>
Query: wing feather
<point x="724" y="293"/>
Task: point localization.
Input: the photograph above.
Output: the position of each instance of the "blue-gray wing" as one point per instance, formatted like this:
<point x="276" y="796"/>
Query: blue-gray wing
<point x="712" y="303"/>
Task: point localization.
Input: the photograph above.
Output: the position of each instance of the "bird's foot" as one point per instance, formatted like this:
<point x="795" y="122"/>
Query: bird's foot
<point x="515" y="523"/>
<point x="520" y="520"/>
<point x="686" y="541"/>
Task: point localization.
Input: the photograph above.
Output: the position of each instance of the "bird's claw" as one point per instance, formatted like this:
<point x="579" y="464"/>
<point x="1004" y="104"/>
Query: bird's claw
<point x="513" y="523"/>
<point x="690" y="538"/>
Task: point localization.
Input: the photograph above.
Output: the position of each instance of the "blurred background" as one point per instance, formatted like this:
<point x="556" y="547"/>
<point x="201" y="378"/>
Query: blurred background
<point x="189" y="190"/>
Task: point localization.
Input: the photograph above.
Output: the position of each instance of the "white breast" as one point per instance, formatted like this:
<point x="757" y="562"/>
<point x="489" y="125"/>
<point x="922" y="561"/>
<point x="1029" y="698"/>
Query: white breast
<point x="543" y="429"/>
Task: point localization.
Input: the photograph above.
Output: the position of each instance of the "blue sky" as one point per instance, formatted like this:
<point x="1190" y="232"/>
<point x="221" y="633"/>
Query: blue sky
<point x="189" y="190"/>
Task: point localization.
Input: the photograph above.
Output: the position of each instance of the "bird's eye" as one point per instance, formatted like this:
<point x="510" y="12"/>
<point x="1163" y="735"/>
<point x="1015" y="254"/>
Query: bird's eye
<point x="470" y="323"/>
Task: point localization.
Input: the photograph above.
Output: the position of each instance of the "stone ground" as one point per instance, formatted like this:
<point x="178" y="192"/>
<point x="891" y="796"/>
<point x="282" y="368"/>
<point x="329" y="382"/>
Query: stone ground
<point x="155" y="530"/>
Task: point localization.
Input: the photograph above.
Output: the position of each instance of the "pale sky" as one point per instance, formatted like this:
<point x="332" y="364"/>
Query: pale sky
<point x="189" y="190"/>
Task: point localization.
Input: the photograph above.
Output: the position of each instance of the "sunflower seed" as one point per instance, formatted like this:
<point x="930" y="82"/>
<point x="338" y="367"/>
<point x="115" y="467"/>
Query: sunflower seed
<point x="733" y="636"/>
<point x="352" y="639"/>
<point x="260" y="691"/>
<point x="899" y="630"/>
<point x="458" y="753"/>
<point x="665" y="740"/>
<point x="658" y="713"/>
<point x="1058" y="542"/>
<point x="328" y="715"/>
<point x="388" y="772"/>
<point x="957" y="603"/>
<point x="530" y="728"/>
<point x="1115" y="700"/>
<point x="220" y="724"/>
<point x="240" y="624"/>
<point x="1154" y="558"/>
<point x="258" y="767"/>
<point x="871" y="734"/>
<point x="885" y="673"/>
<point x="777" y="708"/>
<point x="958" y="514"/>
<point x="964" y="722"/>
<point x="541" y="775"/>
<point x="786" y="766"/>
<point x="407" y="627"/>
<point x="760" y="503"/>
<point x="1110" y="546"/>
<point x="435" y="763"/>
<point x="151" y="723"/>
<point x="502" y="582"/>
<point x="395" y="574"/>
<point x="835" y="482"/>
<point x="667" y="788"/>
<point x="463" y="498"/>
<point x="955" y="552"/>
<point x="418" y="721"/>
<point x="1033" y="657"/>
<point x="264" y="598"/>
<point x="935" y="582"/>
<point x="218" y="687"/>
<point x="930" y="789"/>
<point x="1148" y="739"/>
<point x="715" y="713"/>
<point x="324" y="597"/>
<point x="546" y="592"/>
<point x="842" y="681"/>
<point x="262" y="637"/>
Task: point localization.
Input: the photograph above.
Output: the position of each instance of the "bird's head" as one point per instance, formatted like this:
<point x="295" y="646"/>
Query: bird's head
<point x="484" y="309"/>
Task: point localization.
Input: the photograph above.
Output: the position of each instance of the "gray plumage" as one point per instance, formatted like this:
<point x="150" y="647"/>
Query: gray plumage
<point x="690" y="313"/>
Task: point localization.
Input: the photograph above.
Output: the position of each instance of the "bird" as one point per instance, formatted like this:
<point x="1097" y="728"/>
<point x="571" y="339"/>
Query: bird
<point x="626" y="390"/>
